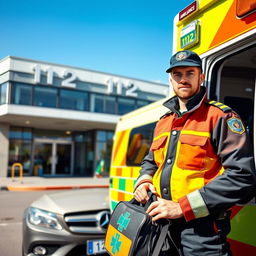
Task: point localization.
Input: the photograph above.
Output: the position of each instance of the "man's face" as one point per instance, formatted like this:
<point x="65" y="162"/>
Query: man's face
<point x="186" y="81"/>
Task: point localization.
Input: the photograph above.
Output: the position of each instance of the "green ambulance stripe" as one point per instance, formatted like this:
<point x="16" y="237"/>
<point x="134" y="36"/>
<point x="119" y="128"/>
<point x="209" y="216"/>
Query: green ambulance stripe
<point x="243" y="226"/>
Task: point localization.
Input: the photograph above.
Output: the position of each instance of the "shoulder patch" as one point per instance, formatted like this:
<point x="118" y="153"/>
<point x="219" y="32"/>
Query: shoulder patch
<point x="236" y="125"/>
<point x="166" y="114"/>
<point x="220" y="105"/>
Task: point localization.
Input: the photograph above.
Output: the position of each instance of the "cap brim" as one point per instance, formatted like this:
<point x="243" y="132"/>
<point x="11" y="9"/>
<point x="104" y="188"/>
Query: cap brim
<point x="183" y="64"/>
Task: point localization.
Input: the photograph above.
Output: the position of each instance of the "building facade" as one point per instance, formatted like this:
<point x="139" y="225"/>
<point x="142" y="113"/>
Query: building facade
<point x="58" y="120"/>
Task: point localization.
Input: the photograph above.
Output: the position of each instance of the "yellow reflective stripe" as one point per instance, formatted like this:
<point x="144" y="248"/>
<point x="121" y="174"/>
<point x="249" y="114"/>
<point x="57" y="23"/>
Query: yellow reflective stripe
<point x="219" y="105"/>
<point x="205" y="134"/>
<point x="224" y="106"/>
<point x="213" y="102"/>
<point x="157" y="175"/>
<point x="161" y="135"/>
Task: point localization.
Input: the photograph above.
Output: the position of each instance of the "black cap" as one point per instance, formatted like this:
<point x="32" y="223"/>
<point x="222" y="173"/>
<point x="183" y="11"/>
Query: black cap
<point x="184" y="59"/>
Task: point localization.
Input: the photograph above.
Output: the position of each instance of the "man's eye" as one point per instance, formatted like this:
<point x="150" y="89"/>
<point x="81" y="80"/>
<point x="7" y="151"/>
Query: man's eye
<point x="177" y="75"/>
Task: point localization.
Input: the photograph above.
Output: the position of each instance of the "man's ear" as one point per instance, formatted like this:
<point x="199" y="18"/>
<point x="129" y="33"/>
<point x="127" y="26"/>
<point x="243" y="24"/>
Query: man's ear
<point x="202" y="77"/>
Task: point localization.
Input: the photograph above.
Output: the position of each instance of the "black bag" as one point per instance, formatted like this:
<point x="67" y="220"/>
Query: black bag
<point x="131" y="231"/>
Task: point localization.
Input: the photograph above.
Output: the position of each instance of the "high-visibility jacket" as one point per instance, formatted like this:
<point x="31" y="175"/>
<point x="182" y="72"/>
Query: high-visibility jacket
<point x="201" y="158"/>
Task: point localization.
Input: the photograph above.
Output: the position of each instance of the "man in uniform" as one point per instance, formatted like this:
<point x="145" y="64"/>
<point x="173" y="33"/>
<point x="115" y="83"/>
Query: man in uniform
<point x="199" y="165"/>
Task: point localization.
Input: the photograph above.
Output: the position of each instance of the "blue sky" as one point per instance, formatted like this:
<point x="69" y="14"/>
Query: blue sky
<point x="131" y="38"/>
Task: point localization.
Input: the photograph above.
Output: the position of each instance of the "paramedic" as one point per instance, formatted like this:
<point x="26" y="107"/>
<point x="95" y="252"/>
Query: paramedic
<point x="199" y="164"/>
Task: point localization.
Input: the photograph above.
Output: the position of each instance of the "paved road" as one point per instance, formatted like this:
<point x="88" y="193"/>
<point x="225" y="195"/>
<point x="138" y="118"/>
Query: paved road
<point x="12" y="205"/>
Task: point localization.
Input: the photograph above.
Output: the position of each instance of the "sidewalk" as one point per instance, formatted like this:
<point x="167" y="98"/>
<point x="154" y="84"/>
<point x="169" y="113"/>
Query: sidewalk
<point x="43" y="183"/>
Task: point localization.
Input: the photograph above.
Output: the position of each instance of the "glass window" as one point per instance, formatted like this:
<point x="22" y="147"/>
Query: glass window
<point x="110" y="135"/>
<point x="139" y="144"/>
<point x="22" y="94"/>
<point x="84" y="154"/>
<point x="142" y="103"/>
<point x="20" y="133"/>
<point x="110" y="105"/>
<point x="104" y="143"/>
<point x="125" y="105"/>
<point x="20" y="152"/>
<point x="101" y="135"/>
<point x="97" y="103"/>
<point x="15" y="133"/>
<point x="27" y="134"/>
<point x="3" y="93"/>
<point x="45" y="97"/>
<point x="73" y="100"/>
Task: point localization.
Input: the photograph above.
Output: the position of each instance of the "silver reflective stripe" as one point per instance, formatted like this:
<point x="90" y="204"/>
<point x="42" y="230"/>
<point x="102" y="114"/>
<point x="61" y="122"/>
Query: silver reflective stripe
<point x="197" y="204"/>
<point x="143" y="177"/>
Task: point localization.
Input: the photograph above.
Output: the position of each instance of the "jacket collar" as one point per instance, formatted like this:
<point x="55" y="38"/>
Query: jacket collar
<point x="192" y="104"/>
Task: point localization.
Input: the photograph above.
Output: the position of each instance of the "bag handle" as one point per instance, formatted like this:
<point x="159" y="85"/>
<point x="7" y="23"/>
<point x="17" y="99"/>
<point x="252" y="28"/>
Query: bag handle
<point x="152" y="198"/>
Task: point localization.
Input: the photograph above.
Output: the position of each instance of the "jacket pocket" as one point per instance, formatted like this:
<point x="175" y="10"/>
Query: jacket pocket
<point x="192" y="152"/>
<point x="159" y="149"/>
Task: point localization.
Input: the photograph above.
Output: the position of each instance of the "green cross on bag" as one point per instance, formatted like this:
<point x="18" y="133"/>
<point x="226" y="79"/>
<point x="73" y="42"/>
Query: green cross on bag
<point x="115" y="243"/>
<point x="123" y="221"/>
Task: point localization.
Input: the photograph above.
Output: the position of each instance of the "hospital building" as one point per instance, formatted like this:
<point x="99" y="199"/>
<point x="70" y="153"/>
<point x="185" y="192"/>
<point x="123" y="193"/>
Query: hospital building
<point x="58" y="120"/>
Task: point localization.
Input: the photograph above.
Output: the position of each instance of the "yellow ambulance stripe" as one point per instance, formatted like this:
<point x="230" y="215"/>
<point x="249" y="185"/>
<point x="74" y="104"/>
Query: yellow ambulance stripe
<point x="114" y="190"/>
<point x="119" y="154"/>
<point x="125" y="172"/>
<point x="123" y="184"/>
<point x="207" y="20"/>
<point x="116" y="243"/>
<point x="119" y="195"/>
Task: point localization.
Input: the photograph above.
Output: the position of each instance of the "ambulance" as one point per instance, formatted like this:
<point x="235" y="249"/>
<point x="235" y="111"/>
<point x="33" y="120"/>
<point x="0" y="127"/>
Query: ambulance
<point x="223" y="33"/>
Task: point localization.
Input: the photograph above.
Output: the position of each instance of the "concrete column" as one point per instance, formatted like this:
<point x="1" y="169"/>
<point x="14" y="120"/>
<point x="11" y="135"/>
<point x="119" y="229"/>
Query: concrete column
<point x="4" y="149"/>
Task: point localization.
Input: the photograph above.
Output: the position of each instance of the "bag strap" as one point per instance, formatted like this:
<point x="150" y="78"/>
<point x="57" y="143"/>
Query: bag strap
<point x="152" y="198"/>
<point x="161" y="239"/>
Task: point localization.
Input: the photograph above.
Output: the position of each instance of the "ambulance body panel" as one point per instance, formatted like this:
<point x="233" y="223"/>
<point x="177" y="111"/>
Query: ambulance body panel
<point x="223" y="33"/>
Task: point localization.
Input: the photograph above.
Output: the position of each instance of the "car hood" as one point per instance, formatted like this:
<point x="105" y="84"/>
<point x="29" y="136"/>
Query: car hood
<point x="74" y="201"/>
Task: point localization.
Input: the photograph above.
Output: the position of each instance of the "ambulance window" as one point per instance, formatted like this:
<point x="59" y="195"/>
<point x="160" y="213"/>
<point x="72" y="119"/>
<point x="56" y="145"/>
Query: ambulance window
<point x="139" y="144"/>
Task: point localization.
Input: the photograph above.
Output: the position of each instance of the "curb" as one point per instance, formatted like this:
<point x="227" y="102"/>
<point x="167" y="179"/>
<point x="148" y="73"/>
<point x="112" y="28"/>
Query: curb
<point x="29" y="188"/>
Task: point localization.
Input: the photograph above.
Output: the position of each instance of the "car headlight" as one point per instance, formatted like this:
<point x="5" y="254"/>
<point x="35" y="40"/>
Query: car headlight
<point x="43" y="218"/>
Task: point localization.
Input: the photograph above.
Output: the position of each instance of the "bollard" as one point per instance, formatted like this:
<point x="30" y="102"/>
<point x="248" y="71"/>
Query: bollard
<point x="21" y="171"/>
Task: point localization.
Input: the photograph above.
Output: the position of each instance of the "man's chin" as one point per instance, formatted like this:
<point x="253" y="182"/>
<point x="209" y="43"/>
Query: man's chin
<point x="184" y="96"/>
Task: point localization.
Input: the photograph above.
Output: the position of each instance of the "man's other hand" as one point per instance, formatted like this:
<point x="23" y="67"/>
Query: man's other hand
<point x="166" y="209"/>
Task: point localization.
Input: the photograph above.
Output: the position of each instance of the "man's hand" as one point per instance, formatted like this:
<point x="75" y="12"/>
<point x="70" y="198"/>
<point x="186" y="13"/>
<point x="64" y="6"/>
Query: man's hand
<point x="141" y="192"/>
<point x="166" y="209"/>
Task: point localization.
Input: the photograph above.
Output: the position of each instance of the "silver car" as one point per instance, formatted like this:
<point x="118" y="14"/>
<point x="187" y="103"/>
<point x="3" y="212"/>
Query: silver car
<point x="70" y="223"/>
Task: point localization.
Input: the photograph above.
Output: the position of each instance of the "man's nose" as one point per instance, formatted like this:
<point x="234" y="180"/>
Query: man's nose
<point x="183" y="79"/>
